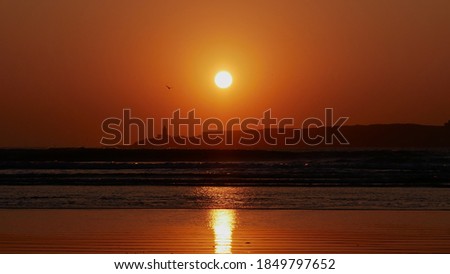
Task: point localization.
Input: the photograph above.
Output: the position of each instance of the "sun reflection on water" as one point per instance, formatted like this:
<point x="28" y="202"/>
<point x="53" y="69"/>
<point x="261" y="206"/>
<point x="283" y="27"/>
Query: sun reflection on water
<point x="222" y="221"/>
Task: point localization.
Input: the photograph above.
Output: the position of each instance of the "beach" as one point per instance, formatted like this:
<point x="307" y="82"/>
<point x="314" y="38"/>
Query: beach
<point x="223" y="231"/>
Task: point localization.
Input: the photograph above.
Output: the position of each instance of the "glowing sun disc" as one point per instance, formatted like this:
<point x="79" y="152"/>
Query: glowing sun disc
<point x="223" y="79"/>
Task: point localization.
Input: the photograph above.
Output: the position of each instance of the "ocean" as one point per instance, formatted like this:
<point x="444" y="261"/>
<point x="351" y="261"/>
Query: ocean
<point x="344" y="179"/>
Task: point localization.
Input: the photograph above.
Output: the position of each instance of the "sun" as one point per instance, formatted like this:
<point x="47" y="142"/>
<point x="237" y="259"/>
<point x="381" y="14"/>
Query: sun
<point x="223" y="79"/>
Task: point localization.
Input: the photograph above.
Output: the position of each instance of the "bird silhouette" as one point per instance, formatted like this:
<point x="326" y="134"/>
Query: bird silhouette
<point x="169" y="87"/>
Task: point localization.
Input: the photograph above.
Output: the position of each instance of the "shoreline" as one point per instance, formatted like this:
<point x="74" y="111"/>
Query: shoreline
<point x="210" y="231"/>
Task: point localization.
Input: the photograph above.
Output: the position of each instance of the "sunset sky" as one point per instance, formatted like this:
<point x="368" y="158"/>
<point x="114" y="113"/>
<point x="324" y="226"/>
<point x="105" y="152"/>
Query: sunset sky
<point x="67" y="65"/>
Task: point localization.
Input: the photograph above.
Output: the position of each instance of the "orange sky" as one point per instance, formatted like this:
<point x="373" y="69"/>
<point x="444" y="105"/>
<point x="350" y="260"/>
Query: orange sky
<point x="67" y="65"/>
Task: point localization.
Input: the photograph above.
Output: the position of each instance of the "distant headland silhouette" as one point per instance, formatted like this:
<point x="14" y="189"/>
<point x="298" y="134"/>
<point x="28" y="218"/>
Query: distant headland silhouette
<point x="362" y="139"/>
<point x="358" y="136"/>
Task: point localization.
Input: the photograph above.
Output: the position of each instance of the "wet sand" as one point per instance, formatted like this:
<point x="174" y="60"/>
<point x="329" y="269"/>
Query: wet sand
<point x="223" y="231"/>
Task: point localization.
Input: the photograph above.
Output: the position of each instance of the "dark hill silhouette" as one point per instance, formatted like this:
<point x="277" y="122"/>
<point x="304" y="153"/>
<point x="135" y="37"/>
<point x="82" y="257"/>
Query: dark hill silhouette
<point x="358" y="136"/>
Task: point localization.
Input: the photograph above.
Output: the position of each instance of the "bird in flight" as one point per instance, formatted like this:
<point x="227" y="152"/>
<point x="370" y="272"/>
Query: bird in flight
<point x="169" y="87"/>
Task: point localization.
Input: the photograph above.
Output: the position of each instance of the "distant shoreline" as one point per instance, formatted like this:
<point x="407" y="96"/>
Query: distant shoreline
<point x="208" y="155"/>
